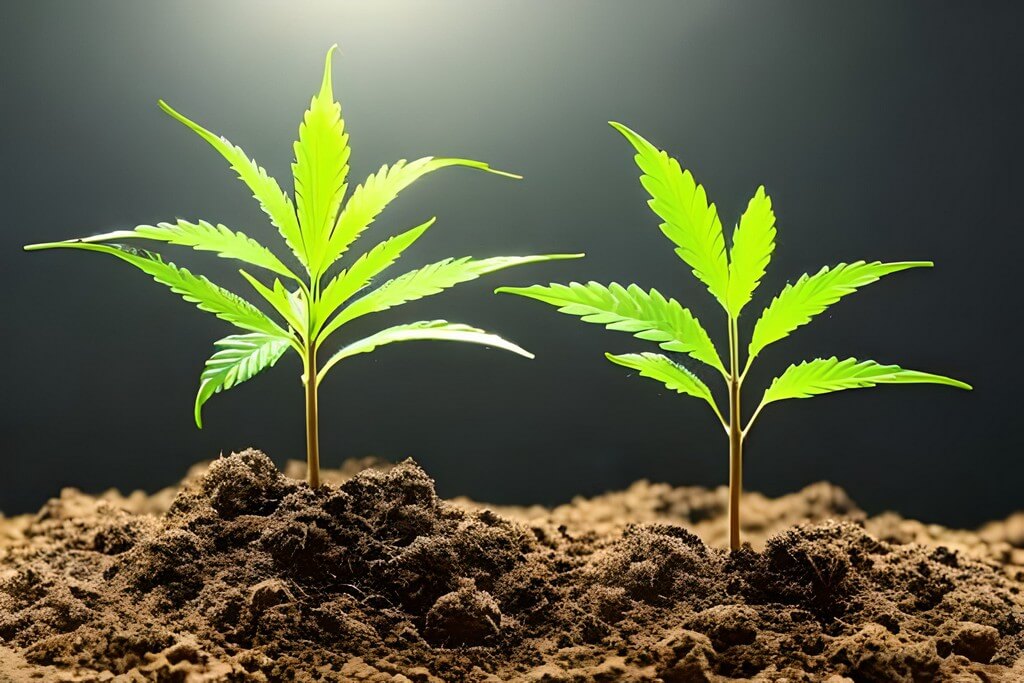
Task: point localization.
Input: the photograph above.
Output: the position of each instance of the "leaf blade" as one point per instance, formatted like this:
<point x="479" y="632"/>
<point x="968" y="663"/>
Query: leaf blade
<point x="690" y="221"/>
<point x="351" y="280"/>
<point x="827" y="375"/>
<point x="752" y="247"/>
<point x="431" y="279"/>
<point x="195" y="289"/>
<point x="646" y="314"/>
<point x="288" y="304"/>
<point x="662" y="369"/>
<point x="272" y="199"/>
<point x="430" y="330"/>
<point x="320" y="169"/>
<point x="372" y="196"/>
<point x="203" y="236"/>
<point x="239" y="358"/>
<point x="798" y="302"/>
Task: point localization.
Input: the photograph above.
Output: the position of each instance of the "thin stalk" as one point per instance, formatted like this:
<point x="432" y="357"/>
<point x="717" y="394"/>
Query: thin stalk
<point x="735" y="438"/>
<point x="312" y="421"/>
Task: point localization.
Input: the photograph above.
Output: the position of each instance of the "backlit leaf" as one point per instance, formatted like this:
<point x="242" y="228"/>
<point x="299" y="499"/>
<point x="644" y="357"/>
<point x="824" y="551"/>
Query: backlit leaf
<point x="812" y="294"/>
<point x="203" y="236"/>
<point x="428" y="280"/>
<point x="671" y="374"/>
<point x="320" y="168"/>
<point x="433" y="330"/>
<point x="822" y="376"/>
<point x="690" y="221"/>
<point x="752" y="245"/>
<point x="274" y="202"/>
<point x="239" y="357"/>
<point x="195" y="289"/>
<point x="647" y="315"/>
<point x="379" y="189"/>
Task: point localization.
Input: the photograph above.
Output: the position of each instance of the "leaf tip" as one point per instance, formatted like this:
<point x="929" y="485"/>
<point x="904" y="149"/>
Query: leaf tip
<point x="325" y="85"/>
<point x="166" y="108"/>
<point x="506" y="174"/>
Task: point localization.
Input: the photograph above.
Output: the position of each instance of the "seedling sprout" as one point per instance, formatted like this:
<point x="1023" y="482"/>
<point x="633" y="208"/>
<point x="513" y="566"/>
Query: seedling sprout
<point x="312" y="302"/>
<point x="731" y="276"/>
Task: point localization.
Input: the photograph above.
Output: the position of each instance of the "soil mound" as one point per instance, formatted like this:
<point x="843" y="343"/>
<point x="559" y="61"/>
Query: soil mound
<point x="249" y="575"/>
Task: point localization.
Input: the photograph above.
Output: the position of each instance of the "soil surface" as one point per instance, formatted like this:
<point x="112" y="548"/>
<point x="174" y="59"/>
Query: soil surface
<point x="243" y="573"/>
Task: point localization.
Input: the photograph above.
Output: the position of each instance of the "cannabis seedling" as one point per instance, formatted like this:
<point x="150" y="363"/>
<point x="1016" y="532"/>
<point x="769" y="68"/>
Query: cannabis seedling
<point x="694" y="226"/>
<point x="318" y="228"/>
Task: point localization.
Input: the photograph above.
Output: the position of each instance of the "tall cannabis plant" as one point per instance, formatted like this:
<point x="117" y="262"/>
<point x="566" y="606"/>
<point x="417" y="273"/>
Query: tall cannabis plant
<point x="312" y="302"/>
<point x="731" y="276"/>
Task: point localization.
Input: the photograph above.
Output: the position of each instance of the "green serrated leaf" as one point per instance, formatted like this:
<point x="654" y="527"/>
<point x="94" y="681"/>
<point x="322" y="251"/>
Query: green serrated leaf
<point x="239" y="357"/>
<point x="647" y="315"/>
<point x="320" y="168"/>
<point x="822" y="376"/>
<point x="274" y="202"/>
<point x="753" y="242"/>
<point x="436" y="330"/>
<point x="350" y="281"/>
<point x="290" y="305"/>
<point x="202" y="236"/>
<point x="690" y="221"/>
<point x="428" y="280"/>
<point x="671" y="374"/>
<point x="379" y="189"/>
<point x="812" y="294"/>
<point x="195" y="289"/>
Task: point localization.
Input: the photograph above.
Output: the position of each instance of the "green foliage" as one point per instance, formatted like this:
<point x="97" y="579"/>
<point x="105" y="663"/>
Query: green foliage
<point x="797" y="303"/>
<point x="690" y="222"/>
<point x="432" y="330"/>
<point x="647" y="315"/>
<point x="664" y="370"/>
<point x="318" y="228"/>
<point x="823" y="376"/>
<point x="239" y="357"/>
<point x="732" y="276"/>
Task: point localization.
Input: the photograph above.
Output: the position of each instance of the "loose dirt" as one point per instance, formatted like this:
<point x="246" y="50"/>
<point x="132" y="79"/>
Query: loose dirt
<point x="245" y="574"/>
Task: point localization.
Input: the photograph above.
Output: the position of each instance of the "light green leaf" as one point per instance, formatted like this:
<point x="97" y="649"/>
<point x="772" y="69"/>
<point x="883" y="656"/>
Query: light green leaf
<point x="812" y="294"/>
<point x="429" y="280"/>
<point x="380" y="188"/>
<point x="202" y="236"/>
<point x="647" y="315"/>
<point x="320" y="168"/>
<point x="437" y="330"/>
<point x="348" y="282"/>
<point x="239" y="357"/>
<point x="274" y="202"/>
<point x="671" y="374"/>
<point x="753" y="242"/>
<point x="291" y="305"/>
<point x="195" y="289"/>
<point x="822" y="376"/>
<point x="690" y="222"/>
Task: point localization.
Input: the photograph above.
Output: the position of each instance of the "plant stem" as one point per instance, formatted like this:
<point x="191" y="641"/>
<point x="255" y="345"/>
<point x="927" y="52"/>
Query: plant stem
<point x="735" y="463"/>
<point x="735" y="438"/>
<point x="312" y="425"/>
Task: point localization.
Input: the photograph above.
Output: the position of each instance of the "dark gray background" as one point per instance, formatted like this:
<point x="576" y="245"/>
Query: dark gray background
<point x="882" y="131"/>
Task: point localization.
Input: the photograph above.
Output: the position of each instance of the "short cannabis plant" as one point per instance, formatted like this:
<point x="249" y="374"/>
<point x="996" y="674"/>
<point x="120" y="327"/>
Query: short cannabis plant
<point x="319" y="227"/>
<point x="731" y="277"/>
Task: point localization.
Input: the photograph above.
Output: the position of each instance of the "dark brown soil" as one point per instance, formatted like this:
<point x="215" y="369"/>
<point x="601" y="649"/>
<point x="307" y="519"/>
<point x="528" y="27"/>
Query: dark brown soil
<point x="248" y="575"/>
